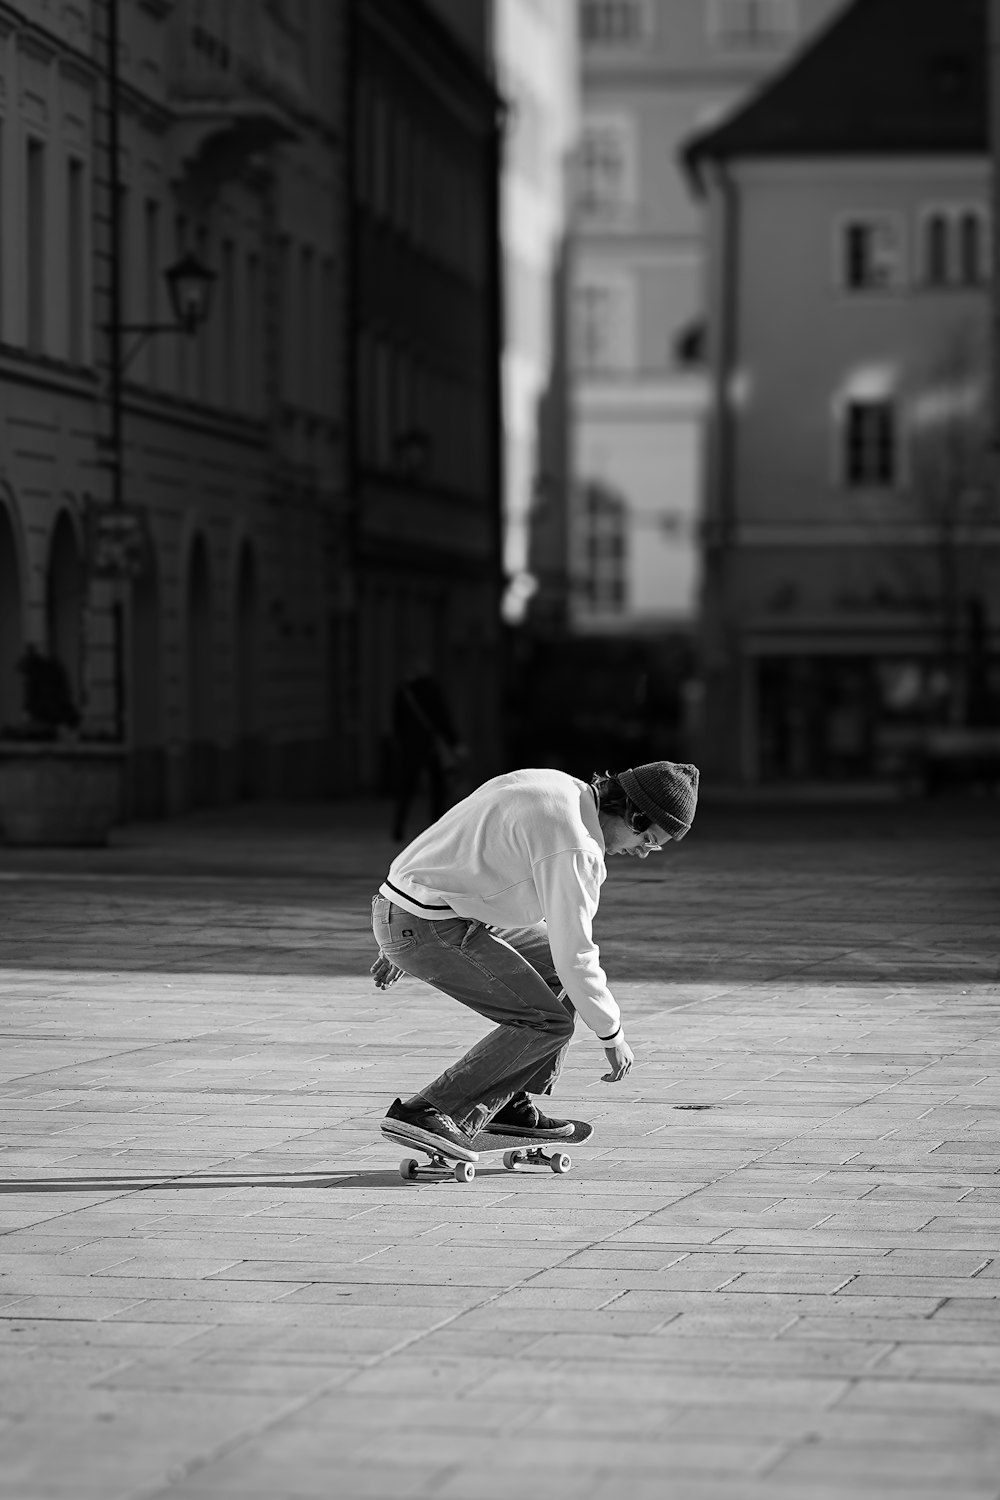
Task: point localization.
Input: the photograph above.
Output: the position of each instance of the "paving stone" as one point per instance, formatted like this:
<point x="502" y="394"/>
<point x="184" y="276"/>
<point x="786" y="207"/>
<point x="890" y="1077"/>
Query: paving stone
<point x="217" y="1284"/>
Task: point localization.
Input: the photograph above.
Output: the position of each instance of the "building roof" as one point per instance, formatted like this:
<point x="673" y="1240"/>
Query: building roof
<point x="884" y="77"/>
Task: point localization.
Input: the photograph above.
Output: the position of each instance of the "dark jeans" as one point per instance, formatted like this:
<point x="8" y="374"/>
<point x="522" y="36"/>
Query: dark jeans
<point x="505" y="975"/>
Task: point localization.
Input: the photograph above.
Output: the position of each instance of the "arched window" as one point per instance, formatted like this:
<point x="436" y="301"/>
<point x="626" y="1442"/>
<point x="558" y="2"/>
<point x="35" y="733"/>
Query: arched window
<point x="248" y="671"/>
<point x="971" y="257"/>
<point x="65" y="588"/>
<point x="936" y="250"/>
<point x="11" y="640"/>
<point x="200" y="673"/>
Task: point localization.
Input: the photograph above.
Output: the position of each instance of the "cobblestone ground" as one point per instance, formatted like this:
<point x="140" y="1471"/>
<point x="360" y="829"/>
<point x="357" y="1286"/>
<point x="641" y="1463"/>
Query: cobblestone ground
<point x="773" y="1274"/>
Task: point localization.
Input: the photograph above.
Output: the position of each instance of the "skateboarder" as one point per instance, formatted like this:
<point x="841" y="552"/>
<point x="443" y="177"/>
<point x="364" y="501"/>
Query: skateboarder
<point x="494" y="905"/>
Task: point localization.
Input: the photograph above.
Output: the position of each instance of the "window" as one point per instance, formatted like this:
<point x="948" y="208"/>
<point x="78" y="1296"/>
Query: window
<point x="327" y="366"/>
<point x="309" y="330"/>
<point x="601" y="319"/>
<point x="936" y="237"/>
<point x="205" y="344"/>
<point x="250" y="366"/>
<point x="181" y="345"/>
<point x="752" y="25"/>
<point x="34" y="270"/>
<point x="614" y="22"/>
<point x="76" y="264"/>
<point x="869" y="443"/>
<point x="971" y="246"/>
<point x="603" y="537"/>
<point x="871" y="253"/>
<point x="230" y="322"/>
<point x="125" y="257"/>
<point x="956" y="245"/>
<point x="381" y="128"/>
<point x="605" y="168"/>
<point x="151" y="275"/>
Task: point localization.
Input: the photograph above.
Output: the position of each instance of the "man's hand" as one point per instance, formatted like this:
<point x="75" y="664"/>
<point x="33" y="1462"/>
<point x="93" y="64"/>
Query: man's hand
<point x="384" y="973"/>
<point x="621" y="1060"/>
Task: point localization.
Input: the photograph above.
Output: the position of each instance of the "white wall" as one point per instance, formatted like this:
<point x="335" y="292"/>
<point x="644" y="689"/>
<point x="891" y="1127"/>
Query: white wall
<point x="537" y="70"/>
<point x="804" y="342"/>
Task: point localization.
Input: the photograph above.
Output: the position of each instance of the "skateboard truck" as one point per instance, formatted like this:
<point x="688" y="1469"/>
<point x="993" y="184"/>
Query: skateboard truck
<point x="464" y="1171"/>
<point x="531" y="1151"/>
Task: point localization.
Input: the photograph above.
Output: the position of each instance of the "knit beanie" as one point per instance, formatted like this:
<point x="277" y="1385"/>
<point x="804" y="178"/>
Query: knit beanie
<point x="666" y="791"/>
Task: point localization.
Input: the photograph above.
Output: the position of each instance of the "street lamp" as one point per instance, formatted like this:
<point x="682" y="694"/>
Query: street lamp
<point x="189" y="284"/>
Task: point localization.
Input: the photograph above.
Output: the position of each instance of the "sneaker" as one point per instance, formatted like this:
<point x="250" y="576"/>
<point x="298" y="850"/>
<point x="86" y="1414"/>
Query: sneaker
<point x="519" y="1116"/>
<point x="425" y="1126"/>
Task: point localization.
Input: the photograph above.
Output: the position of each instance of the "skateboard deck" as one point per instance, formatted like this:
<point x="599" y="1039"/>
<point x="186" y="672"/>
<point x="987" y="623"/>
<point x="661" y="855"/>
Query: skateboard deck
<point x="532" y="1150"/>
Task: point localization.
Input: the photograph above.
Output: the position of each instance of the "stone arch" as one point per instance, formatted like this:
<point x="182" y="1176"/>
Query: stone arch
<point x="65" y="597"/>
<point x="200" y="674"/>
<point x="248" y="654"/>
<point x="11" y="617"/>
<point x="146" y="690"/>
<point x="146" y="664"/>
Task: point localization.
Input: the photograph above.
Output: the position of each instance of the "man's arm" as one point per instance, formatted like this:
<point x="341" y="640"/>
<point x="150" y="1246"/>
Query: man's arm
<point x="569" y="885"/>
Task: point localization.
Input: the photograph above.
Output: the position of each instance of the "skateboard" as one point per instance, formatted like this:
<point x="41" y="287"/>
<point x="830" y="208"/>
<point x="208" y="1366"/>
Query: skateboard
<point x="529" y="1149"/>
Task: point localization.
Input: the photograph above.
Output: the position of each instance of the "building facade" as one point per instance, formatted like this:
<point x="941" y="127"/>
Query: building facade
<point x="653" y="72"/>
<point x="852" y="531"/>
<point x="207" y="656"/>
<point x="426" y="467"/>
<point x="538" y="74"/>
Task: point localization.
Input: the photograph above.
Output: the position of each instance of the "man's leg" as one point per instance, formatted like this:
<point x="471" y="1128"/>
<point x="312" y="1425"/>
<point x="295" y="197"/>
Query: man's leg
<point x="533" y="945"/>
<point x="465" y="960"/>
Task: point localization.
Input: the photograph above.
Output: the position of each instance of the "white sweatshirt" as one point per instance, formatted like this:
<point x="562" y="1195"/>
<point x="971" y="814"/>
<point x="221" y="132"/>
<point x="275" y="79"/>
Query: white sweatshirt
<point x="520" y="848"/>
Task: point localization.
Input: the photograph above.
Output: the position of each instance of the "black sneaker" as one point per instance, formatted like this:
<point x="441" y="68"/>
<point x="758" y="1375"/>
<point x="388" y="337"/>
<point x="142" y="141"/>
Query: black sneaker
<point x="519" y="1116"/>
<point x="425" y="1126"/>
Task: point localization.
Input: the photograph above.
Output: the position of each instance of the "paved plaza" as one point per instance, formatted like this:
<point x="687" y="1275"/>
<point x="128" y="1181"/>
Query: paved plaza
<point x="772" y="1274"/>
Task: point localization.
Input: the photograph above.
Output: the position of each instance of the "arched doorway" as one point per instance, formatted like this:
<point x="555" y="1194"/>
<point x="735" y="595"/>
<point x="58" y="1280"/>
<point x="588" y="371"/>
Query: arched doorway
<point x="11" y="630"/>
<point x="200" y="674"/>
<point x="249" y="770"/>
<point x="65" y="590"/>
<point x="147" y="789"/>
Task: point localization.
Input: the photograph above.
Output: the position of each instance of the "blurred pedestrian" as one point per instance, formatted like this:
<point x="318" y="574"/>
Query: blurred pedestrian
<point x="494" y="905"/>
<point x="425" y="744"/>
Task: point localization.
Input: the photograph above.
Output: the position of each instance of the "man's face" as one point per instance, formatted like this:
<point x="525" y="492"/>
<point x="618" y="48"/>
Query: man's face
<point x="619" y="838"/>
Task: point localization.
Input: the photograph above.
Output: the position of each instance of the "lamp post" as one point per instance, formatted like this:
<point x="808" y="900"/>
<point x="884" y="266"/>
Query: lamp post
<point x="118" y="535"/>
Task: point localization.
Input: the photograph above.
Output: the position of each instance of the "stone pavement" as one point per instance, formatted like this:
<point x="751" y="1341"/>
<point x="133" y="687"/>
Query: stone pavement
<point x="773" y="1274"/>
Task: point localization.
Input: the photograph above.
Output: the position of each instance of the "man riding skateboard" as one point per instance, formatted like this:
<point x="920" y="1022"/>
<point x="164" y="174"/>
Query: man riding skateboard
<point x="494" y="905"/>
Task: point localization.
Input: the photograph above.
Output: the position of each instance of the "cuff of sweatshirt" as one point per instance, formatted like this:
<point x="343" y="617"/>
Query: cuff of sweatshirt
<point x="615" y="1039"/>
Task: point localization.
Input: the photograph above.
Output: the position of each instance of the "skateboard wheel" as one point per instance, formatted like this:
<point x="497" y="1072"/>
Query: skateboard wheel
<point x="408" y="1168"/>
<point x="464" y="1171"/>
<point x="511" y="1159"/>
<point x="560" y="1162"/>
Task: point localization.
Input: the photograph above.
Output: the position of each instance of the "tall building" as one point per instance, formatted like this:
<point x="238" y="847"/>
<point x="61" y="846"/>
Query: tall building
<point x="166" y="496"/>
<point x="538" y="74"/>
<point x="852" y="525"/>
<point x="424" y="521"/>
<point x="653" y="71"/>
